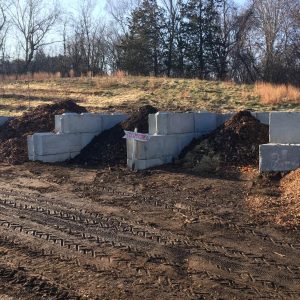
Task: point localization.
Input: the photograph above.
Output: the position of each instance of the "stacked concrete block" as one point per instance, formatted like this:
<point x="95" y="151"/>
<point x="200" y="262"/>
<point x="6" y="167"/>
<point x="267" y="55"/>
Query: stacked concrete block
<point x="86" y="122"/>
<point x="283" y="152"/>
<point x="171" y="123"/>
<point x="73" y="133"/>
<point x="170" y="133"/>
<point x="285" y="127"/>
<point x="263" y="117"/>
<point x="279" y="157"/>
<point x="205" y="122"/>
<point x="158" y="146"/>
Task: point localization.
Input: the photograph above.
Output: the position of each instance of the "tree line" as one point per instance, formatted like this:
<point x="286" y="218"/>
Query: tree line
<point x="206" y="39"/>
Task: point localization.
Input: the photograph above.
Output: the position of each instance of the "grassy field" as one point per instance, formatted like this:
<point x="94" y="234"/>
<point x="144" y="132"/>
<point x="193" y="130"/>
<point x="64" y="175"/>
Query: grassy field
<point x="124" y="93"/>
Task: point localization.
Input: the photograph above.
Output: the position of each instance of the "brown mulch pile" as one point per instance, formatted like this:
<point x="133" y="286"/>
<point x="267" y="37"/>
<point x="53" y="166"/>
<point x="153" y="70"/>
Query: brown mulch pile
<point x="109" y="147"/>
<point x="13" y="134"/>
<point x="236" y="142"/>
<point x="290" y="195"/>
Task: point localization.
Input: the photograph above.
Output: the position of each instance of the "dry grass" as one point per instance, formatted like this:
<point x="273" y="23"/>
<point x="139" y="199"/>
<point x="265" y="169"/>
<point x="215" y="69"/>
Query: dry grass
<point x="29" y="77"/>
<point x="274" y="94"/>
<point x="124" y="93"/>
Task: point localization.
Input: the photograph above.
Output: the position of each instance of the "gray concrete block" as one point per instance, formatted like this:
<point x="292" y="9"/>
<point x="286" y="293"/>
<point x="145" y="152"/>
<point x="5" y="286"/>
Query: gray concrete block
<point x="78" y="123"/>
<point x="279" y="157"/>
<point x="110" y="120"/>
<point x="154" y="148"/>
<point x="49" y="143"/>
<point x="205" y="122"/>
<point x="87" y="122"/>
<point x="285" y="127"/>
<point x="148" y="163"/>
<point x="152" y="124"/>
<point x="159" y="146"/>
<point x="30" y="146"/>
<point x="174" y="123"/>
<point x="86" y="138"/>
<point x="263" y="117"/>
<point x="54" y="158"/>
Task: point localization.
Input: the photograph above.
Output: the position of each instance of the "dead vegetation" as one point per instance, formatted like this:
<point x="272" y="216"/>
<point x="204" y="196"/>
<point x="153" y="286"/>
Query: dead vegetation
<point x="275" y="94"/>
<point x="124" y="93"/>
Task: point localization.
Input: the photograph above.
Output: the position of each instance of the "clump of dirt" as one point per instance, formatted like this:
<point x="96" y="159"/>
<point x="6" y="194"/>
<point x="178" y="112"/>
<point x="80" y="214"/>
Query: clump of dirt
<point x="275" y="198"/>
<point x="109" y="147"/>
<point x="235" y="142"/>
<point x="13" y="134"/>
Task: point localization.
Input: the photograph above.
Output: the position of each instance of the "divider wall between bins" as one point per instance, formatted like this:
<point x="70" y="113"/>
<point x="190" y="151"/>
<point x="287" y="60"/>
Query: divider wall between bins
<point x="171" y="132"/>
<point x="72" y="133"/>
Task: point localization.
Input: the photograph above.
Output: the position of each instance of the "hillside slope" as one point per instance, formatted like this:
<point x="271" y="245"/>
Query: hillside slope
<point x="126" y="93"/>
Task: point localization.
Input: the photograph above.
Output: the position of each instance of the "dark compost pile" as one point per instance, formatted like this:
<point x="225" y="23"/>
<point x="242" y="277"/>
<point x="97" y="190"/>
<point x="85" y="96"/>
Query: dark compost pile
<point x="13" y="134"/>
<point x="236" y="142"/>
<point x="109" y="147"/>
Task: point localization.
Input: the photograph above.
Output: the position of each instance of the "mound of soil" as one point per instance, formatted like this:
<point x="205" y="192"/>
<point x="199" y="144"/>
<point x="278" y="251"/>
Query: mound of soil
<point x="13" y="134"/>
<point x="290" y="195"/>
<point x="235" y="142"/>
<point x="109" y="147"/>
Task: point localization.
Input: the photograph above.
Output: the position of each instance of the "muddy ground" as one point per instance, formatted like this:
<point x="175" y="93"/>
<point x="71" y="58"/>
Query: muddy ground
<point x="73" y="233"/>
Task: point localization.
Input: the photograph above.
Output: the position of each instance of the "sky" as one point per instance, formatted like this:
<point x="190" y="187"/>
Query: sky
<point x="69" y="6"/>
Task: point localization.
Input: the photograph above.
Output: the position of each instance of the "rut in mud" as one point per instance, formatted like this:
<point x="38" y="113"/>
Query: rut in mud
<point x="69" y="233"/>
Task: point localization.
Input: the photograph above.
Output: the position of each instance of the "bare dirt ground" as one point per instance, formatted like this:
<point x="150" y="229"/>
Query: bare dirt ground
<point x="72" y="233"/>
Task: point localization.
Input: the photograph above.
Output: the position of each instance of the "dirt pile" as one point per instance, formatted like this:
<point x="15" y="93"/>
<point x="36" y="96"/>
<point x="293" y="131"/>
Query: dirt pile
<point x="13" y="134"/>
<point x="109" y="147"/>
<point x="235" y="142"/>
<point x="290" y="195"/>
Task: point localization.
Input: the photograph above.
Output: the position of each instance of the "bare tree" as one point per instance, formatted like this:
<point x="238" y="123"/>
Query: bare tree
<point x="87" y="41"/>
<point x="172" y="8"/>
<point x="3" y="27"/>
<point x="33" y="19"/>
<point x="120" y="10"/>
<point x="274" y="30"/>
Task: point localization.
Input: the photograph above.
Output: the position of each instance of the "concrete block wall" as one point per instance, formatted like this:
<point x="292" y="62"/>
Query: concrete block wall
<point x="171" y="132"/>
<point x="72" y="133"/>
<point x="86" y="122"/>
<point x="283" y="151"/>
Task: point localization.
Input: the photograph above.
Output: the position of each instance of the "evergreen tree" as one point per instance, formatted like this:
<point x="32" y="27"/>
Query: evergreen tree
<point x="141" y="50"/>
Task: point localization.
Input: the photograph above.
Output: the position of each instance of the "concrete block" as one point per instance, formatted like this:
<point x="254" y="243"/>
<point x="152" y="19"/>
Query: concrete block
<point x="148" y="163"/>
<point x="110" y="120"/>
<point x="152" y="124"/>
<point x="30" y="146"/>
<point x="78" y="123"/>
<point x="86" y="138"/>
<point x="222" y="118"/>
<point x="154" y="148"/>
<point x="174" y="123"/>
<point x="86" y="122"/>
<point x="285" y="127"/>
<point x="54" y="157"/>
<point x="159" y="146"/>
<point x="279" y="157"/>
<point x="263" y="117"/>
<point x="205" y="122"/>
<point x="49" y="143"/>
<point x="184" y="140"/>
